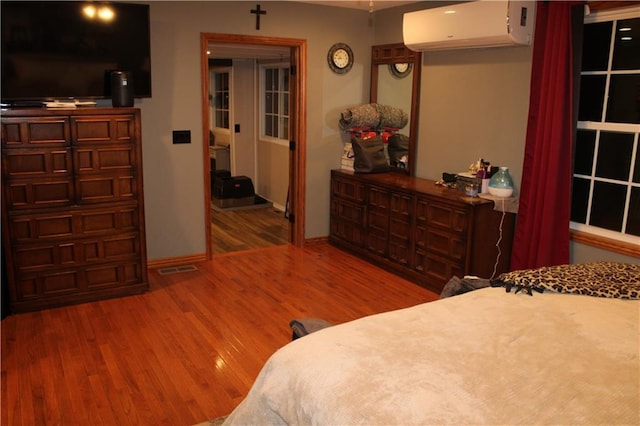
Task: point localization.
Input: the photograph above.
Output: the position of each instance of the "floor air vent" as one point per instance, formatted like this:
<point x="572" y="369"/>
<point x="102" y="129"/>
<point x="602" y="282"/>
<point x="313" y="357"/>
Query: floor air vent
<point x="175" y="270"/>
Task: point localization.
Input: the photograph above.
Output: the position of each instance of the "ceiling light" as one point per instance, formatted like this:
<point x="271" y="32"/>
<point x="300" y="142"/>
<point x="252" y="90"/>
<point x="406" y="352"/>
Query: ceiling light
<point x="105" y="13"/>
<point x="449" y="12"/>
<point x="89" y="11"/>
<point x="624" y="29"/>
<point x="626" y="38"/>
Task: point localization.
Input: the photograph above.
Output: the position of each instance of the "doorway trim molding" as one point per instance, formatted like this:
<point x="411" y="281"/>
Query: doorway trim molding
<point x="297" y="163"/>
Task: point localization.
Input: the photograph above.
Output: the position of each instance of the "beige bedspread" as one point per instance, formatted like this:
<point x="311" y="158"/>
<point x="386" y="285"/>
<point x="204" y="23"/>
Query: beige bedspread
<point x="485" y="357"/>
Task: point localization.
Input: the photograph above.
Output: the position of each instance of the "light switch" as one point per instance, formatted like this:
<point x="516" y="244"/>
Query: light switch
<point x="181" y="136"/>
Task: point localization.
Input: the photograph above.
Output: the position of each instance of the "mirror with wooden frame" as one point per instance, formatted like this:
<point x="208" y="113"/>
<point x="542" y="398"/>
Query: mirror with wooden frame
<point x="395" y="81"/>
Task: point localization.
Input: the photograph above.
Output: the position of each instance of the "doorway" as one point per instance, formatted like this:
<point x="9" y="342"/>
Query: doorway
<point x="295" y="205"/>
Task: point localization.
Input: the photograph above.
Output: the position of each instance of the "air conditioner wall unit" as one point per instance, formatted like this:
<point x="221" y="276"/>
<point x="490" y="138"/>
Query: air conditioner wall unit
<point x="475" y="24"/>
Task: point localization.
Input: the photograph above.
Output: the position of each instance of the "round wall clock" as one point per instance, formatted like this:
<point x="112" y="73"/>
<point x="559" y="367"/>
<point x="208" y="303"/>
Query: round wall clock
<point x="401" y="69"/>
<point x="340" y="58"/>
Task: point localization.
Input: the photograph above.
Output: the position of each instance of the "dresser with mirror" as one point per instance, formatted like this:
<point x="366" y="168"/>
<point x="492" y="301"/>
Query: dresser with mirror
<point x="408" y="225"/>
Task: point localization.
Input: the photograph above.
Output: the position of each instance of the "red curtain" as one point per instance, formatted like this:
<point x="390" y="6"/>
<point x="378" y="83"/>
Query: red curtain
<point x="542" y="229"/>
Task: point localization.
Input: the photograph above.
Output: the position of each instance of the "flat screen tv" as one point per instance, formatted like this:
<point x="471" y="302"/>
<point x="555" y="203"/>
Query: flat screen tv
<point x="53" y="50"/>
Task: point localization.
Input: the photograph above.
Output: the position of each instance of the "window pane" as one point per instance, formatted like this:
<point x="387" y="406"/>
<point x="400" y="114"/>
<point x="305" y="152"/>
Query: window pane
<point x="268" y="103"/>
<point x="636" y="169"/>
<point x="624" y="99"/>
<point x="225" y="118"/>
<point x="591" y="97"/>
<point x="633" y="220"/>
<point x="614" y="155"/>
<point x="276" y="99"/>
<point x="225" y="100"/>
<point x="284" y="128"/>
<point x="607" y="207"/>
<point x="627" y="44"/>
<point x="585" y="145"/>
<point x="225" y="81"/>
<point x="595" y="51"/>
<point x="579" y="200"/>
<point x="268" y="126"/>
<point x="268" y="79"/>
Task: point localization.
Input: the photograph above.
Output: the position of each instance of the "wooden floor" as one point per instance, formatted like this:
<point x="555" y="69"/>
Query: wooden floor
<point x="190" y="348"/>
<point x="238" y="230"/>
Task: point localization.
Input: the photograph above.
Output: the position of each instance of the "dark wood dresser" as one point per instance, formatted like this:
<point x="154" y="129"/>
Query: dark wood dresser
<point x="417" y="229"/>
<point x="72" y="205"/>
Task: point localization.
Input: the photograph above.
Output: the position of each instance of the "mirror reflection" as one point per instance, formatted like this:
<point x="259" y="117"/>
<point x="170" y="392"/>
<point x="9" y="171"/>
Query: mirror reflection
<point x="395" y="81"/>
<point x="396" y="88"/>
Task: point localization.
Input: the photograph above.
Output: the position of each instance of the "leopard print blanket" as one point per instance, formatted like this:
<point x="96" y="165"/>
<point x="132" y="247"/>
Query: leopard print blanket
<point x="599" y="279"/>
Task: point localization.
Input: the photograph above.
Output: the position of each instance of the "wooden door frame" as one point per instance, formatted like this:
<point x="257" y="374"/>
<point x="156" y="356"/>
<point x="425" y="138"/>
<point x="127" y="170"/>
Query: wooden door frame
<point x="297" y="163"/>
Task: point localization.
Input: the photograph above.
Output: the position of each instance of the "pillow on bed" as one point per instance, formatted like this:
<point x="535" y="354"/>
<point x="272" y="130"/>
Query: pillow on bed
<point x="600" y="279"/>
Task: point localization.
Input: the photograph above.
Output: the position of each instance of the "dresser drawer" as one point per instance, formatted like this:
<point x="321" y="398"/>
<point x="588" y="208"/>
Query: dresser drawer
<point x="77" y="284"/>
<point x="101" y="130"/>
<point x="350" y="212"/>
<point x="73" y="224"/>
<point x="105" y="188"/>
<point x="30" y="132"/>
<point x="442" y="243"/>
<point x="348" y="189"/>
<point x="347" y="221"/>
<point x="29" y="194"/>
<point x="443" y="216"/>
<point x="54" y="254"/>
<point x="436" y="268"/>
<point x="39" y="163"/>
<point x="118" y="158"/>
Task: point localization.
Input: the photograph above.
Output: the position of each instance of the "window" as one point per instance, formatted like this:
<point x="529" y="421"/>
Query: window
<point x="606" y="175"/>
<point x="275" y="102"/>
<point x="221" y="100"/>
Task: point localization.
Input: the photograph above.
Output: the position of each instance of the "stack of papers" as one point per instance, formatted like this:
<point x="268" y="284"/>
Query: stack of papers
<point x="68" y="104"/>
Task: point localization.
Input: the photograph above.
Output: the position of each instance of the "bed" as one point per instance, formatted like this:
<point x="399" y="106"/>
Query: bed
<point x="544" y="346"/>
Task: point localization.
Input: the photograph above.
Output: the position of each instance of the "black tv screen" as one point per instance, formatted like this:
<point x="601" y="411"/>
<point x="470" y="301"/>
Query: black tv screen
<point x="64" y="50"/>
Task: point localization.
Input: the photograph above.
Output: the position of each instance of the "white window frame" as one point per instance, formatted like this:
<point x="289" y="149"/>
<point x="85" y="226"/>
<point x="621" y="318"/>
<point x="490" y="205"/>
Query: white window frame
<point x="262" y="93"/>
<point x="629" y="128"/>
<point x="219" y="71"/>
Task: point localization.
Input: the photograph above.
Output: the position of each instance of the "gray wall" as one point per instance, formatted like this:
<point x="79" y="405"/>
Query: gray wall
<point x="174" y="187"/>
<point x="473" y="104"/>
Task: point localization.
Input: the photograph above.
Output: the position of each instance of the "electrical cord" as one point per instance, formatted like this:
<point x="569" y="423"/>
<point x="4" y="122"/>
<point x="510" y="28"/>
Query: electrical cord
<point x="495" y="266"/>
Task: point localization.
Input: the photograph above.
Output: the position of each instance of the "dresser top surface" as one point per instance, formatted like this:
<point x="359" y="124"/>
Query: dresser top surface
<point x="403" y="182"/>
<point x="52" y="112"/>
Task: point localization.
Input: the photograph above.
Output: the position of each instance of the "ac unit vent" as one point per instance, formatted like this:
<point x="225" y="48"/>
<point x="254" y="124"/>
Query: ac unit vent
<point x="475" y="24"/>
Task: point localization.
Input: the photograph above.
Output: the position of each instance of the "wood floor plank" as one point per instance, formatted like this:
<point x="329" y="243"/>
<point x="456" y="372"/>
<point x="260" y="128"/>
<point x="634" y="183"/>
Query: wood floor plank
<point x="190" y="348"/>
<point x="239" y="230"/>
